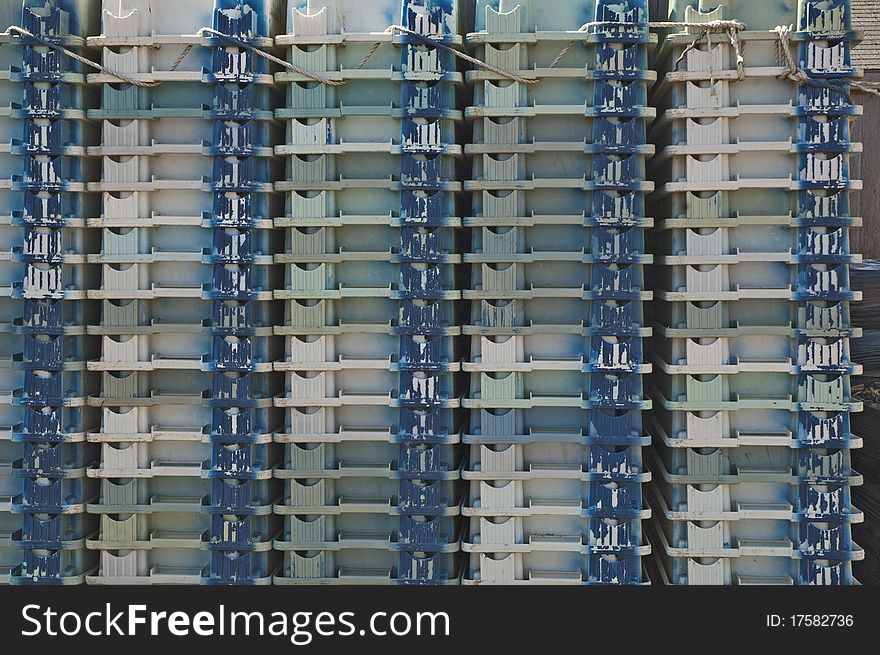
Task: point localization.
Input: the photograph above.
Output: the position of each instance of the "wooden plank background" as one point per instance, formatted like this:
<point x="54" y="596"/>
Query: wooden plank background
<point x="867" y="497"/>
<point x="867" y="168"/>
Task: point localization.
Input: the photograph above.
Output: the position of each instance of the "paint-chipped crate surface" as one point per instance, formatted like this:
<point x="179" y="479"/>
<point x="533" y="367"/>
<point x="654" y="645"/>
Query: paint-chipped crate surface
<point x="370" y="294"/>
<point x="555" y="322"/>
<point x="186" y="307"/>
<point x="381" y="316"/>
<point x="43" y="281"/>
<point x="751" y="427"/>
<point x="11" y="273"/>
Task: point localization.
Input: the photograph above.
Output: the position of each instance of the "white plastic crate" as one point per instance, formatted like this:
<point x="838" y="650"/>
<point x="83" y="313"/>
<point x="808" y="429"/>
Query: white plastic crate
<point x="752" y="468"/>
<point x="175" y="371"/>
<point x="369" y="269"/>
<point x="556" y="295"/>
<point x="44" y="277"/>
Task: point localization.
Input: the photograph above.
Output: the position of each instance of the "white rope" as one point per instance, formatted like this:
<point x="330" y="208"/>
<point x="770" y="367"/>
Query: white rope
<point x="798" y="75"/>
<point x="732" y="27"/>
<point x="369" y="55"/>
<point x="266" y="55"/>
<point x="784" y="58"/>
<point x="428" y="40"/>
<point x="372" y="51"/>
<point x="15" y="29"/>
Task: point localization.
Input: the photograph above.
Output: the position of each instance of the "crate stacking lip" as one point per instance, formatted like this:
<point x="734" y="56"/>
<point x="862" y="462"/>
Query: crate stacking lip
<point x="556" y="323"/>
<point x="751" y="428"/>
<point x="370" y="266"/>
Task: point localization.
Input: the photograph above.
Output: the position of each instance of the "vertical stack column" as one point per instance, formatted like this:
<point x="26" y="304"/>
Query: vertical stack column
<point x="752" y="431"/>
<point x="822" y="457"/>
<point x="11" y="308"/>
<point x="369" y="466"/>
<point x="556" y="324"/>
<point x="426" y="390"/>
<point x="242" y="523"/>
<point x="51" y="187"/>
<point x="155" y="324"/>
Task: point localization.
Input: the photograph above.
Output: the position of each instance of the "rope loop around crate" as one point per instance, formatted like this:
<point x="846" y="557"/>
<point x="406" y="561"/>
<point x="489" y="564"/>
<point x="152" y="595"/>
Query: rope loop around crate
<point x="731" y="27"/>
<point x="426" y="40"/>
<point x="798" y="75"/>
<point x="792" y="71"/>
<point x="122" y="77"/>
<point x="433" y="41"/>
<point x="269" y="56"/>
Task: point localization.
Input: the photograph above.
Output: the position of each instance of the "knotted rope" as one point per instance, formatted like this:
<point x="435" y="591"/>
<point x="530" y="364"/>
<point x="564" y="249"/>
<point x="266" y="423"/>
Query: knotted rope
<point x="798" y="75"/>
<point x="20" y="31"/>
<point x="267" y="55"/>
<point x="731" y="27"/>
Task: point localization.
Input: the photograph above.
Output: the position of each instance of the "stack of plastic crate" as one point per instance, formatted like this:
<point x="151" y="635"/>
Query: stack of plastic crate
<point x="369" y="467"/>
<point x="184" y="434"/>
<point x="10" y="307"/>
<point x="243" y="525"/>
<point x="44" y="450"/>
<point x="752" y="471"/>
<point x="556" y="325"/>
